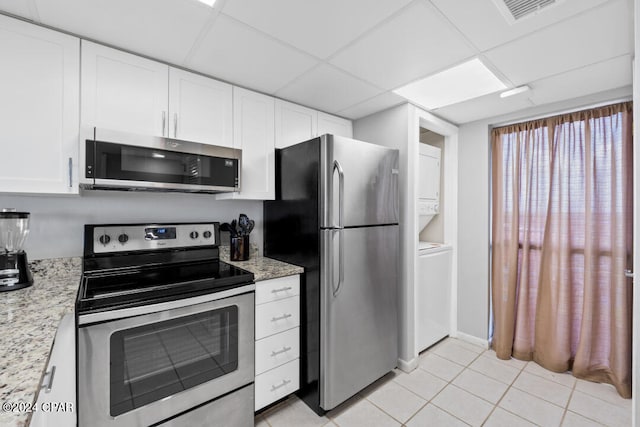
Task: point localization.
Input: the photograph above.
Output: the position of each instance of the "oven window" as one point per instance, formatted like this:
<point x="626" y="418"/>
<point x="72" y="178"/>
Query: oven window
<point x="151" y="362"/>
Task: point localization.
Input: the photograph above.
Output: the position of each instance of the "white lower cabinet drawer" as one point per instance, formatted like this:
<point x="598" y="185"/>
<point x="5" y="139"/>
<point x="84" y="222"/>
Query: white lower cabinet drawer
<point x="277" y="383"/>
<point x="277" y="350"/>
<point x="277" y="289"/>
<point x="277" y="316"/>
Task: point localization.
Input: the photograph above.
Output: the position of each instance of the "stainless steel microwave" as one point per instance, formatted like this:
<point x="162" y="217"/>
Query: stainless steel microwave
<point x="119" y="161"/>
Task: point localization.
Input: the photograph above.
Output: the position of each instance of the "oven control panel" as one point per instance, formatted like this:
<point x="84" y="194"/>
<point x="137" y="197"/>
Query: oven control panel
<point x="122" y="238"/>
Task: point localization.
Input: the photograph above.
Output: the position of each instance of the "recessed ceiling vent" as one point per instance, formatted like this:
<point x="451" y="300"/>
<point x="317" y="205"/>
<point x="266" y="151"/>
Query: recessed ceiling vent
<point x="515" y="10"/>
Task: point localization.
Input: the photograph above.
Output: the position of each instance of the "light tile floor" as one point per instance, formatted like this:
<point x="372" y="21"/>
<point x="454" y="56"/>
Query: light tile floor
<point x="460" y="384"/>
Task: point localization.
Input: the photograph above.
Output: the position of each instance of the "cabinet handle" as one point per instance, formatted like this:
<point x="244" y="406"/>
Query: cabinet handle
<point x="284" y="350"/>
<point x="283" y="317"/>
<point x="286" y="288"/>
<point x="49" y="384"/>
<point x="164" y="121"/>
<point x="175" y="125"/>
<point x="70" y="172"/>
<point x="282" y="384"/>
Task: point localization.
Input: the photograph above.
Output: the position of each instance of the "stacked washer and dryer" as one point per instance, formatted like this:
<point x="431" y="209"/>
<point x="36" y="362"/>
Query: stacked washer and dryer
<point x="433" y="281"/>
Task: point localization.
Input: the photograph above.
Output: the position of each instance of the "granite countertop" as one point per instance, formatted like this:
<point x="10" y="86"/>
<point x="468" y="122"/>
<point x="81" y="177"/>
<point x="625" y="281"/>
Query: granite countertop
<point x="262" y="268"/>
<point x="29" y="319"/>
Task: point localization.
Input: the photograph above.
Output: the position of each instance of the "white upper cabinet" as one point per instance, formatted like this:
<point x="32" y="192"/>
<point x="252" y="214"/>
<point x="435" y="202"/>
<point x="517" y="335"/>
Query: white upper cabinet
<point x="128" y="93"/>
<point x="294" y="123"/>
<point x="124" y="92"/>
<point x="39" y="83"/>
<point x="200" y="108"/>
<point x="334" y="125"/>
<point x="254" y="134"/>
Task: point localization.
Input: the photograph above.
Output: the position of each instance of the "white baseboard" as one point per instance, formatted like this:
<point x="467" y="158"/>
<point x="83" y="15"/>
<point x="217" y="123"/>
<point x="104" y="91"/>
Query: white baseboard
<point x="471" y="339"/>
<point x="409" y="366"/>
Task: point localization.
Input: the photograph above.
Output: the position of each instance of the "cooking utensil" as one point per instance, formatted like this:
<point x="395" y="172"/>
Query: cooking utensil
<point x="243" y="222"/>
<point x="252" y="224"/>
<point x="227" y="227"/>
<point x="234" y="227"/>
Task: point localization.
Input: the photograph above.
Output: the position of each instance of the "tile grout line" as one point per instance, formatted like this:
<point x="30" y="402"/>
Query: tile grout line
<point x="542" y="398"/>
<point x="451" y="383"/>
<point x="566" y="408"/>
<point x="509" y="386"/>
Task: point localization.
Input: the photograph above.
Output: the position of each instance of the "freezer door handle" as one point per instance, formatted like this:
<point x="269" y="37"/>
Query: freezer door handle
<point x="337" y="166"/>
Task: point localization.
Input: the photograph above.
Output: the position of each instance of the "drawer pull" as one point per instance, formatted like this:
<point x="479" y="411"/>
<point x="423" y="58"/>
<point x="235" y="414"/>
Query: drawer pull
<point x="285" y="289"/>
<point x="49" y="384"/>
<point x="282" y="384"/>
<point x="283" y="317"/>
<point x="284" y="350"/>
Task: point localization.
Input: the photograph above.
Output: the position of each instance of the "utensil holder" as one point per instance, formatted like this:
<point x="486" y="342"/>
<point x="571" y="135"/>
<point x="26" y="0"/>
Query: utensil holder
<point x="239" y="248"/>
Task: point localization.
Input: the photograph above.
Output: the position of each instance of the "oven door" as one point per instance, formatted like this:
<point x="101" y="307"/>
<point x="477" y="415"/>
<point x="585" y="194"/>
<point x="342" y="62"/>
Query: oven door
<point x="147" y="368"/>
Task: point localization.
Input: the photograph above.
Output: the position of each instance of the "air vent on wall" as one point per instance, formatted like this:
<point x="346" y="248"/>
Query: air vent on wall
<point x="515" y="10"/>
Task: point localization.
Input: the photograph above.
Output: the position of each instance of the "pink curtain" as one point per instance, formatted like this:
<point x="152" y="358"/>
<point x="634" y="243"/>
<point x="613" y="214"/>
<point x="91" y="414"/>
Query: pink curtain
<point x="561" y="240"/>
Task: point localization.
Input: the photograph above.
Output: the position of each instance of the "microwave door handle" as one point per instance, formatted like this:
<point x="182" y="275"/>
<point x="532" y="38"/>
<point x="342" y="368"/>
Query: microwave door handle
<point x="164" y="121"/>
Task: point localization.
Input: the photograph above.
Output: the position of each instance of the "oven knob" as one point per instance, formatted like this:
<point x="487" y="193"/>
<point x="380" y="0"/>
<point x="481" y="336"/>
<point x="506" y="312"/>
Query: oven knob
<point x="105" y="239"/>
<point x="206" y="234"/>
<point x="193" y="234"/>
<point x="123" y="238"/>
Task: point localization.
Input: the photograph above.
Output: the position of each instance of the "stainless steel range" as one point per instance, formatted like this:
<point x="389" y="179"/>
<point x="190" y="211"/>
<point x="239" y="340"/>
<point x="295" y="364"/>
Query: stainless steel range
<point x="165" y="329"/>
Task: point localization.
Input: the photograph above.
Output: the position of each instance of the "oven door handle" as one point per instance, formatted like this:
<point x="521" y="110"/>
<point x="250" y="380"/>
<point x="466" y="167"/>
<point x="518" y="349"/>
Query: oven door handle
<point x="103" y="316"/>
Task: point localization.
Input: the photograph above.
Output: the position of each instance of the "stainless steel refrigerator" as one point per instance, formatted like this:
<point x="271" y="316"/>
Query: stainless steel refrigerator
<point x="336" y="215"/>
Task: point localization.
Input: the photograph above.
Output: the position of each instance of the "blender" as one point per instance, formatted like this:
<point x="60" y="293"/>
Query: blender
<point x="14" y="269"/>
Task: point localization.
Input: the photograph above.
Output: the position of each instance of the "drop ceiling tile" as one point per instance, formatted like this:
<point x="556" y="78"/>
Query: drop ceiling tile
<point x="372" y="105"/>
<point x="486" y="27"/>
<point x="238" y="53"/>
<point x="481" y="108"/>
<point x="317" y="27"/>
<point x="328" y="89"/>
<point x="16" y="7"/>
<point x="595" y="78"/>
<point x="163" y="29"/>
<point x="415" y="43"/>
<point x="602" y="33"/>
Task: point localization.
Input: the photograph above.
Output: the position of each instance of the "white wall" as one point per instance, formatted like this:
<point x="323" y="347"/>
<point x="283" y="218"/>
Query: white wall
<point x="391" y="129"/>
<point x="56" y="224"/>
<point x="474" y="207"/>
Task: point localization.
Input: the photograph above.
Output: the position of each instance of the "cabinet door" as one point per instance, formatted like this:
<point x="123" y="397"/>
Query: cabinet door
<point x="429" y="173"/>
<point x="334" y="125"/>
<point x="123" y="92"/>
<point x="253" y="133"/>
<point x="39" y="83"/>
<point x="200" y="108"/>
<point x="294" y="123"/>
<point x="56" y="400"/>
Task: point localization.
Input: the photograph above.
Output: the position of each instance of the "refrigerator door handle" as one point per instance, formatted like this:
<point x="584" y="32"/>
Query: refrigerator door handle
<point x="337" y="166"/>
<point x="340" y="232"/>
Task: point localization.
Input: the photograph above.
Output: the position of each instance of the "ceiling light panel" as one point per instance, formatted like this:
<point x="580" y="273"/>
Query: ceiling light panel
<point x="466" y="81"/>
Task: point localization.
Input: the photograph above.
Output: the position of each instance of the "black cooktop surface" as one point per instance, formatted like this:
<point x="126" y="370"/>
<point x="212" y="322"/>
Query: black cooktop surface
<point x="121" y="282"/>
